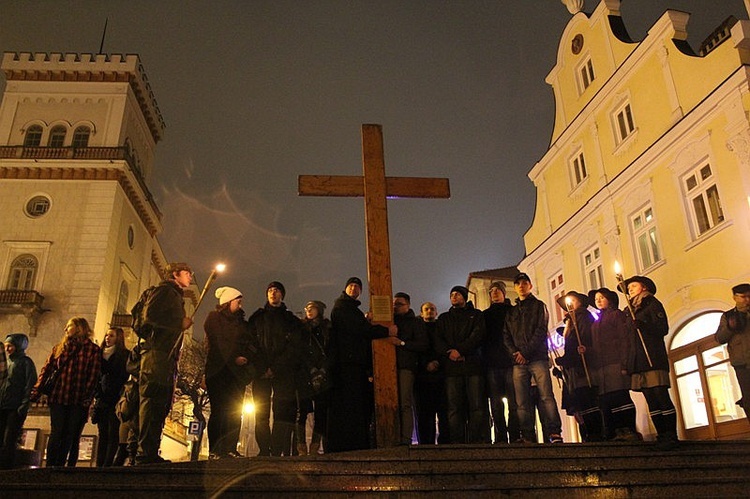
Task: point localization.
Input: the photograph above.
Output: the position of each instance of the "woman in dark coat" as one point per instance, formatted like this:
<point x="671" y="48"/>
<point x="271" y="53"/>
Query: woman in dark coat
<point x="609" y="336"/>
<point x="228" y="371"/>
<point x="648" y="363"/>
<point x="580" y="395"/>
<point x="114" y="376"/>
<point x="314" y="386"/>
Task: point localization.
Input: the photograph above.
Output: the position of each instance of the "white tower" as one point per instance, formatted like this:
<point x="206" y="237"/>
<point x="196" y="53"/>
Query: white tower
<point x="78" y="224"/>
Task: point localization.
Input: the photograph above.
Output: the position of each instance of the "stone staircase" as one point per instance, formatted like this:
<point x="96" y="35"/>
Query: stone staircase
<point x="695" y="469"/>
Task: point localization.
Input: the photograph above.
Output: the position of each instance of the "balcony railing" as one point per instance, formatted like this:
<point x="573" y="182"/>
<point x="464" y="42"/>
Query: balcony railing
<point x="23" y="301"/>
<point x="20" y="298"/>
<point x="121" y="320"/>
<point x="82" y="154"/>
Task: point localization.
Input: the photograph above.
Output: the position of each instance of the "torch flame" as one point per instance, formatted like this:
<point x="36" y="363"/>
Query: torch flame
<point x="220" y="267"/>
<point x="618" y="269"/>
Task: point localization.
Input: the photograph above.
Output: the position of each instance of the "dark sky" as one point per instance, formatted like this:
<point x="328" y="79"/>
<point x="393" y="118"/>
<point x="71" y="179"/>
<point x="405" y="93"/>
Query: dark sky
<point x="255" y="93"/>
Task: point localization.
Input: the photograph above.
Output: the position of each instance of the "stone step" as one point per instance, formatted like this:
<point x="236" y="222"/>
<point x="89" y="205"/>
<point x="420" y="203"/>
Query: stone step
<point x="593" y="470"/>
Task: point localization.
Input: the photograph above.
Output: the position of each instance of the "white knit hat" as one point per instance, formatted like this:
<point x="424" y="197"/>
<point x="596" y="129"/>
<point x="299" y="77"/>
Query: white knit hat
<point x="226" y="294"/>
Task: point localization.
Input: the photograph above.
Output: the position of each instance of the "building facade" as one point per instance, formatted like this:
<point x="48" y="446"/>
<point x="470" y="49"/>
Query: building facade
<point x="78" y="135"/>
<point x="649" y="166"/>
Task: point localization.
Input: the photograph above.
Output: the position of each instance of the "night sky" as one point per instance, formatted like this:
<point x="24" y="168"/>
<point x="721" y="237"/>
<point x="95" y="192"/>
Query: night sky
<point x="255" y="93"/>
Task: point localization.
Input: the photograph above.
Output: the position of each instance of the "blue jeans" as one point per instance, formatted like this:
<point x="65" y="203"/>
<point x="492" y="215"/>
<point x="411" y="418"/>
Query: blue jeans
<point x="549" y="415"/>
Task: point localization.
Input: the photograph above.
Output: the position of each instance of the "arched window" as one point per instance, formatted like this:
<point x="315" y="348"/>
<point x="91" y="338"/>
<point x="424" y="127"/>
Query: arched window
<point x="33" y="136"/>
<point x="23" y="272"/>
<point x="122" y="299"/>
<point x="57" y="136"/>
<point x="81" y="136"/>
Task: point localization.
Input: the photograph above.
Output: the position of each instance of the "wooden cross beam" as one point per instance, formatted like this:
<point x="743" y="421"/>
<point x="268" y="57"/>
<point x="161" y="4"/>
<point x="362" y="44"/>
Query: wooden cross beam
<point x="375" y="187"/>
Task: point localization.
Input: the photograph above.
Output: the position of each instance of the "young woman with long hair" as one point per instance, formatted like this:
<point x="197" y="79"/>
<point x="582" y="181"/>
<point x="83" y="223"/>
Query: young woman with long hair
<point x="79" y="361"/>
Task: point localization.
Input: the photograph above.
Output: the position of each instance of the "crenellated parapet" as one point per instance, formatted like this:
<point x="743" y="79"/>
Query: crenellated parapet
<point x="88" y="68"/>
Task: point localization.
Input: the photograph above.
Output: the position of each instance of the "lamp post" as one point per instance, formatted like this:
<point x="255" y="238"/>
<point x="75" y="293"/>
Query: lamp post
<point x="571" y="314"/>
<point x="621" y="287"/>
<point x="211" y="278"/>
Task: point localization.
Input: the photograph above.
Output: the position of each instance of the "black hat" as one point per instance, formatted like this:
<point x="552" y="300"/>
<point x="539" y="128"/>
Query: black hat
<point x="614" y="300"/>
<point x="581" y="297"/>
<point x="523" y="276"/>
<point x="645" y="281"/>
<point x="277" y="285"/>
<point x="354" y="280"/>
<point x="462" y="290"/>
<point x="741" y="289"/>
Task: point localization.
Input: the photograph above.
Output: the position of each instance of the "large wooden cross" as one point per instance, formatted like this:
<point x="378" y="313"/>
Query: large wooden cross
<point x="376" y="188"/>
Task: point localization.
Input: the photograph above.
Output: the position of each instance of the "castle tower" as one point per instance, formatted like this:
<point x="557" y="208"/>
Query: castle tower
<point x="78" y="224"/>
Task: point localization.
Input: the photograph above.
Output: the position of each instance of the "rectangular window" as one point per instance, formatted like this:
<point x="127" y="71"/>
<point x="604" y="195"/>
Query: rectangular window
<point x="592" y="265"/>
<point x="703" y="199"/>
<point x="587" y="74"/>
<point x="624" y="122"/>
<point x="578" y="171"/>
<point x="556" y="290"/>
<point x="645" y="235"/>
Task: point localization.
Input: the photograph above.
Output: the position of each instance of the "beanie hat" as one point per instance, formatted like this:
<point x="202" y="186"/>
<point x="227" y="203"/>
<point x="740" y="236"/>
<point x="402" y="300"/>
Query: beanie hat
<point x="226" y="294"/>
<point x="741" y="289"/>
<point x="317" y="304"/>
<point x="18" y="340"/>
<point x="499" y="285"/>
<point x="462" y="290"/>
<point x="354" y="280"/>
<point x="277" y="285"/>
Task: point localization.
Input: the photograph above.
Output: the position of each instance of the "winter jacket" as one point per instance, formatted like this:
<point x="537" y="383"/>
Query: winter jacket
<point x="113" y="378"/>
<point x="412" y="332"/>
<point x="734" y="329"/>
<point x="461" y="329"/>
<point x="352" y="334"/>
<point x="228" y="337"/>
<point x="651" y="320"/>
<point x="276" y="334"/>
<point x="525" y="329"/>
<point x="81" y="363"/>
<point x="494" y="353"/>
<point x="610" y="343"/>
<point x="16" y="388"/>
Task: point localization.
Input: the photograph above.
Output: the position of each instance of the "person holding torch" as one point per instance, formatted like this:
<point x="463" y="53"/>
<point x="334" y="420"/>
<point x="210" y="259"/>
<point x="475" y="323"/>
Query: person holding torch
<point x="580" y="365"/>
<point x="648" y="364"/>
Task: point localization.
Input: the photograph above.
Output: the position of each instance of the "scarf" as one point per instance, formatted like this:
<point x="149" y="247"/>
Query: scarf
<point x="108" y="351"/>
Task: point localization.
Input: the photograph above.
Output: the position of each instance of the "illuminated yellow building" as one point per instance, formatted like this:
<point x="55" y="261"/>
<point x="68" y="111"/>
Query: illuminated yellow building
<point x="649" y="165"/>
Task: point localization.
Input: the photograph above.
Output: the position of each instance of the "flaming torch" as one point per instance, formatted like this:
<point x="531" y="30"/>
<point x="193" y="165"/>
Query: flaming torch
<point x="211" y="278"/>
<point x="572" y="315"/>
<point x="621" y="287"/>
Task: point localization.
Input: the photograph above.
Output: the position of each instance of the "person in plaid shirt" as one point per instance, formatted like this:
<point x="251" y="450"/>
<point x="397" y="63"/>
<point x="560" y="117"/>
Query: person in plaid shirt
<point x="79" y="360"/>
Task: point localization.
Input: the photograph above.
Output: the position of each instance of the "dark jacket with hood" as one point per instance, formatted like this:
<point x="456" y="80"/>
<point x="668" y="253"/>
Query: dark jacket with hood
<point x="15" y="390"/>
<point x="412" y="331"/>
<point x="461" y="329"/>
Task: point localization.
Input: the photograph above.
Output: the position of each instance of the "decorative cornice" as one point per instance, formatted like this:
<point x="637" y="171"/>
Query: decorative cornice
<point x="79" y="173"/>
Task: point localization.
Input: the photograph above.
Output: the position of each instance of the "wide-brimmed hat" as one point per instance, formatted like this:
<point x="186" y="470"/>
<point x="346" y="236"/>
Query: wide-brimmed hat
<point x="645" y="281"/>
<point x="581" y="297"/>
<point x="614" y="300"/>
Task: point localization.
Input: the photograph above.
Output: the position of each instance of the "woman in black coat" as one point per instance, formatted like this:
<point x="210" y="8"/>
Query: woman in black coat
<point x="114" y="376"/>
<point x="228" y="371"/>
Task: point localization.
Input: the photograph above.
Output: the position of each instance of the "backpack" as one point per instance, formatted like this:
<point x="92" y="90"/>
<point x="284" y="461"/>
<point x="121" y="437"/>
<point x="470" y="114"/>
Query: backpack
<point x="138" y="312"/>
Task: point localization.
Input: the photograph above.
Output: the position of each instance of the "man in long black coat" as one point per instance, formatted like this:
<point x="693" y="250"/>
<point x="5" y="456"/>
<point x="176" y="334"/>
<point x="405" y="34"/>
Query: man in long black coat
<point x="350" y="354"/>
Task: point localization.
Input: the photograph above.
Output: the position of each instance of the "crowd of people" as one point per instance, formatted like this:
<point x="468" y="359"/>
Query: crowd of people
<point x="456" y="372"/>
